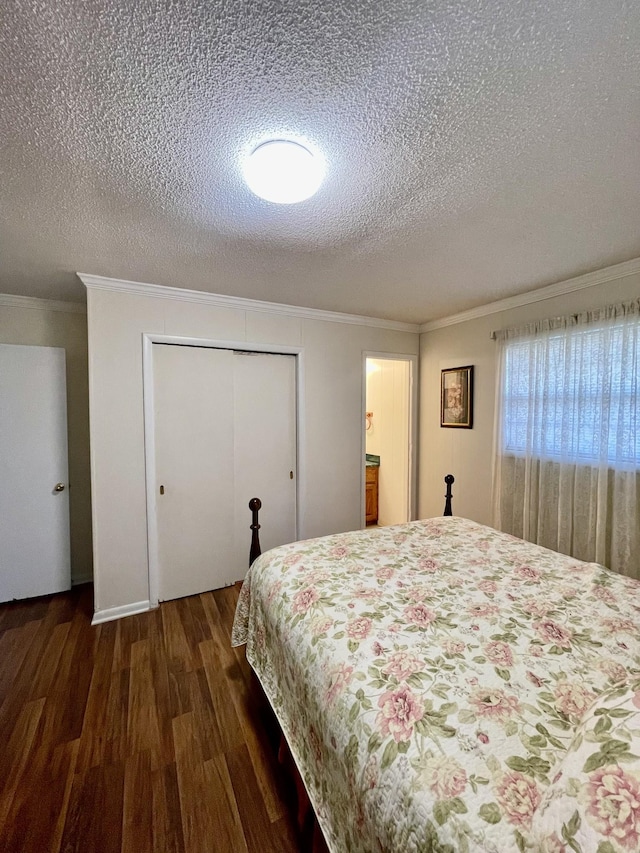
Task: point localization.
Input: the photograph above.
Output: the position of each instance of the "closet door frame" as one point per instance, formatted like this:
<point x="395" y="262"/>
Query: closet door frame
<point x="149" y="436"/>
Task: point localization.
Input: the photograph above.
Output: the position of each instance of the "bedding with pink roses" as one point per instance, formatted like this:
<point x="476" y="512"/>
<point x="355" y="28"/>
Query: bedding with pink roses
<point x="445" y="687"/>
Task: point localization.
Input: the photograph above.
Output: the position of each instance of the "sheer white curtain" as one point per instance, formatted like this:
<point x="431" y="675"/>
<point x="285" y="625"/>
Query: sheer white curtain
<point x="567" y="461"/>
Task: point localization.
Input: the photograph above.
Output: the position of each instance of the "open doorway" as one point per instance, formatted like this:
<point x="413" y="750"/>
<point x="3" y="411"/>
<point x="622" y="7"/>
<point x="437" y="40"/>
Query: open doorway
<point x="388" y="438"/>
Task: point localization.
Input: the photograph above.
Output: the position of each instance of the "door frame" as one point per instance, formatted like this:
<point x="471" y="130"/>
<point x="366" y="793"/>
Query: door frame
<point x="148" y="340"/>
<point x="412" y="479"/>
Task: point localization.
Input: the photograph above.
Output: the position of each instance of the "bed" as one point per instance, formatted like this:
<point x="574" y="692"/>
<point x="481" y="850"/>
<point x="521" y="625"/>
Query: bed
<point x="445" y="687"/>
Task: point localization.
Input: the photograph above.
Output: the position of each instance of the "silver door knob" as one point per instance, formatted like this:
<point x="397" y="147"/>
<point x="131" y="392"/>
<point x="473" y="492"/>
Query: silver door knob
<point x="59" y="487"/>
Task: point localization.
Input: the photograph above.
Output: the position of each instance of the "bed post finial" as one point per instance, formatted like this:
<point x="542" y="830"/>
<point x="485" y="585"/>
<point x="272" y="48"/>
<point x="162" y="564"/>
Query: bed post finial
<point x="449" y="480"/>
<point x="254" y="505"/>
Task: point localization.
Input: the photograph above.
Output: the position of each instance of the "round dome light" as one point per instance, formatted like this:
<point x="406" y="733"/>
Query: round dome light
<point x="283" y="171"/>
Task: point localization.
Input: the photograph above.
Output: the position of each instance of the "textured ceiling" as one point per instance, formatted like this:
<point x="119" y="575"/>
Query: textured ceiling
<point x="476" y="149"/>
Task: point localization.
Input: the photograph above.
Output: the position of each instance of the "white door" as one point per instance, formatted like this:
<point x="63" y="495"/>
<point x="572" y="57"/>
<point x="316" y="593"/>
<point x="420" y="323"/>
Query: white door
<point x="34" y="499"/>
<point x="264" y="449"/>
<point x="224" y="433"/>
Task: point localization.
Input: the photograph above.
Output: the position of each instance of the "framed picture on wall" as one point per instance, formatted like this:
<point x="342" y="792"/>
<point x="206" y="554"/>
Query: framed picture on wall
<point x="456" y="397"/>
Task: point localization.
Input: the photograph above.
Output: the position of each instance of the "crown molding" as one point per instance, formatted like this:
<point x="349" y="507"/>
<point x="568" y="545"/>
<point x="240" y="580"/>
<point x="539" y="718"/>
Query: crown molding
<point x="570" y="285"/>
<point x="10" y="300"/>
<point x="159" y="291"/>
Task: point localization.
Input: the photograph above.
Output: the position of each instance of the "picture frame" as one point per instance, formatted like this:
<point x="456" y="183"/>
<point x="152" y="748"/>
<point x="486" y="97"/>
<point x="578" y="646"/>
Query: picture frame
<point x="456" y="397"/>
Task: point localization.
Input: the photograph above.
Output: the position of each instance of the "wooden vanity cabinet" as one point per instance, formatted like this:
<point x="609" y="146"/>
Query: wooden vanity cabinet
<point x="371" y="501"/>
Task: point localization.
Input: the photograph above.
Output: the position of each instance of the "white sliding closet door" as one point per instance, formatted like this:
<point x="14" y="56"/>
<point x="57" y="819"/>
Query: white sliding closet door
<point x="224" y="433"/>
<point x="193" y="395"/>
<point x="264" y="448"/>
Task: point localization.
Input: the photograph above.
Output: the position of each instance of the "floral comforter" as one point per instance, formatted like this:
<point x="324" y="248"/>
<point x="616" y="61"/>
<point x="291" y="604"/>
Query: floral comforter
<point x="444" y="687"/>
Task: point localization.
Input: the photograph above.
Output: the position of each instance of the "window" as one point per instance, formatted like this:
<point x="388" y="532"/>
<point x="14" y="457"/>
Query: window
<point x="574" y="395"/>
<point x="567" y="462"/>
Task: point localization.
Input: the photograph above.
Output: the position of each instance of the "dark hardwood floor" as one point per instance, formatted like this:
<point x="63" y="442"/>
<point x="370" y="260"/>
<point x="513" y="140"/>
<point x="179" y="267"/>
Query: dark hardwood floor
<point x="146" y="734"/>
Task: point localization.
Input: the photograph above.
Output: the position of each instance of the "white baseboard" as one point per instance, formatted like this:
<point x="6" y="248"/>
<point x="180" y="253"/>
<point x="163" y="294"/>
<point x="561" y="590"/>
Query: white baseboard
<point x="112" y="613"/>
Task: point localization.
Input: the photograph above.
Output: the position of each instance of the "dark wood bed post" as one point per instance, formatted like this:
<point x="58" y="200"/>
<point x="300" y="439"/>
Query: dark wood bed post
<point x="449" y="480"/>
<point x="254" y="505"/>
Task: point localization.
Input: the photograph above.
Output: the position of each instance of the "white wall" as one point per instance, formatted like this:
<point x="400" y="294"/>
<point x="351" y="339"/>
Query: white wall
<point x="36" y="322"/>
<point x="467" y="454"/>
<point x="388" y="398"/>
<point x="330" y="467"/>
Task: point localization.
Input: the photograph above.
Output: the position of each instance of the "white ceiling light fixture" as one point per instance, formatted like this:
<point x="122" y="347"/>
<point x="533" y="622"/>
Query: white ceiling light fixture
<point x="283" y="171"/>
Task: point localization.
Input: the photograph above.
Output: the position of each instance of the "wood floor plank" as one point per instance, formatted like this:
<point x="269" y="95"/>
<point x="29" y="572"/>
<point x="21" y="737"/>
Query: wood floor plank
<point x="94" y="730"/>
<point x="35" y="825"/>
<point x="94" y="816"/>
<point x="18" y="613"/>
<point x="197" y="779"/>
<point x="15" y="757"/>
<point x="167" y="703"/>
<point x="59" y="821"/>
<point x="179" y="688"/>
<point x="260" y="831"/>
<point x="49" y="659"/>
<point x="121" y="658"/>
<point x="75" y="666"/>
<point x="42" y="655"/>
<point x="137" y="806"/>
<point x="208" y="729"/>
<point x="179" y="653"/>
<point x="110" y="742"/>
<point x="168" y="836"/>
<point x="139" y="735"/>
<point x="220" y="636"/>
<point x="262" y="754"/>
<point x="210" y="610"/>
<point x="14" y="647"/>
<point x="131" y="632"/>
<point x="248" y="705"/>
<point x="226" y="826"/>
<point x="219" y="689"/>
<point x="193" y="619"/>
<point x="143" y="730"/>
